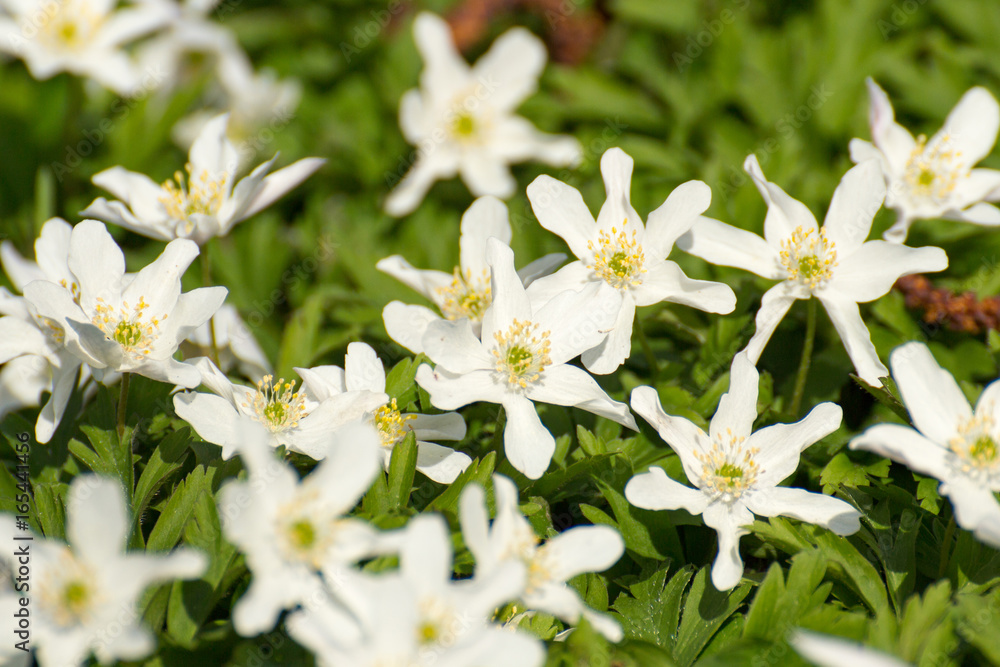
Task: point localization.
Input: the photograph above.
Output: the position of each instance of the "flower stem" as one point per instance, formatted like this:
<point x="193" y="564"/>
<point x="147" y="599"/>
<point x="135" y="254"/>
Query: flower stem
<point x="122" y="402"/>
<point x="806" y="360"/>
<point x="206" y="279"/>
<point x="654" y="366"/>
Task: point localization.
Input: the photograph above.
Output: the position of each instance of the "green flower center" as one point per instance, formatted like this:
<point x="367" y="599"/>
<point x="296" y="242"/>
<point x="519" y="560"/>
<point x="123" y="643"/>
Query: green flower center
<point x="521" y="355"/>
<point x="277" y="405"/>
<point x="730" y="472"/>
<point x="302" y="534"/>
<point x="75" y="597"/>
<point x="729" y="469"/>
<point x="618" y="258"/>
<point x="984" y="449"/>
<point x="128" y="334"/>
<point x="808" y="257"/>
<point x="466" y="296"/>
<point x="464" y="125"/>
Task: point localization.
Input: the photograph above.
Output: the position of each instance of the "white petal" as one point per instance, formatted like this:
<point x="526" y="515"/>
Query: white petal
<point x="527" y="443"/>
<point x="426" y="555"/>
<point x="578" y="321"/>
<point x="441" y="464"/>
<point x="449" y="392"/>
<point x="428" y="167"/>
<point x="18" y="337"/>
<point x="738" y="406"/>
<point x="972" y="125"/>
<point x="725" y="245"/>
<point x="861" y="150"/>
<point x="773" y="306"/>
<point x="485" y="218"/>
<point x="869" y="272"/>
<point x="561" y="210"/>
<point x="52" y="249"/>
<point x="97" y="521"/>
<point x="515" y="140"/>
<point x="407" y="324"/>
<point x="453" y="346"/>
<point x="541" y="267"/>
<point x="96" y="260"/>
<point x="855" y="202"/>
<point x="780" y="444"/>
<point x="447" y="426"/>
<point x="728" y="522"/>
<point x="857" y="341"/>
<point x="509" y="300"/>
<point x="829" y="651"/>
<point x="412" y="115"/>
<point x="486" y="173"/>
<point x="323" y="382"/>
<point x="213" y="418"/>
<point x="664" y="281"/>
<point x="653" y="490"/>
<point x="474" y="520"/>
<point x="979" y="185"/>
<point x="445" y="72"/>
<point x="827" y="511"/>
<point x="20" y="270"/>
<point x="159" y="283"/>
<point x="930" y="393"/>
<point x="583" y="549"/>
<point x="984" y="214"/>
<point x="891" y="138"/>
<point x="610" y="353"/>
<point x="350" y="466"/>
<point x="212" y="151"/>
<point x="510" y="69"/>
<point x="363" y="369"/>
<point x="683" y="437"/>
<point x="64" y="379"/>
<point x="675" y="217"/>
<point x="906" y="446"/>
<point x="617" y="212"/>
<point x="574" y="276"/>
<point x="784" y="214"/>
<point x="276" y="184"/>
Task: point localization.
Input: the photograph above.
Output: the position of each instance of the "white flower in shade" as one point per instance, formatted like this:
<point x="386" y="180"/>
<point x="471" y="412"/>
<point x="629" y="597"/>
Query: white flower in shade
<point x="236" y="345"/>
<point x="622" y="252"/>
<point x="550" y="565"/>
<point x="830" y="651"/>
<point x="462" y="118"/>
<point x="190" y="32"/>
<point x="833" y="263"/>
<point x="10" y="605"/>
<point x="934" y="178"/>
<point x="206" y="202"/>
<point x="123" y="323"/>
<point x="84" y="595"/>
<point x="297" y="420"/>
<point x="522" y="358"/>
<point x="951" y="442"/>
<point x="290" y="529"/>
<point x="735" y="471"/>
<point x="463" y="293"/>
<point x="418" y="615"/>
<point x="85" y="37"/>
<point x="33" y="346"/>
<point x="363" y="372"/>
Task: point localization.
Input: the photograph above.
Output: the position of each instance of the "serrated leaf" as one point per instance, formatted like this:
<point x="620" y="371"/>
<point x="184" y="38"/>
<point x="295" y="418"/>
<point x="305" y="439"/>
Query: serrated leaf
<point x="705" y="611"/>
<point x="653" y="611"/>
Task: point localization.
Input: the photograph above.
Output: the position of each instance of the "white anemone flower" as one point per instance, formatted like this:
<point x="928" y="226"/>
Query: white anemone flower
<point x="522" y="358"/>
<point x="207" y="202"/>
<point x="550" y="565"/>
<point x="736" y="472"/>
<point x="624" y="253"/>
<point x="84" y="37"/>
<point x="291" y="530"/>
<point x="84" y="595"/>
<point x="32" y="347"/>
<point x="295" y="419"/>
<point x="417" y="615"/>
<point x="934" y="178"/>
<point x="951" y="442"/>
<point x="363" y="371"/>
<point x="235" y="344"/>
<point x="829" y="651"/>
<point x="124" y="323"/>
<point x="833" y="263"/>
<point x="463" y="293"/>
<point x="462" y="118"/>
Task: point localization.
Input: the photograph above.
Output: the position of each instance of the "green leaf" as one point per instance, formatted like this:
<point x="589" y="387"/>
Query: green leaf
<point x="299" y="344"/>
<point x="653" y="611"/>
<point x="705" y="610"/>
<point x="376" y="499"/>
<point x="842" y="471"/>
<point x="478" y="471"/>
<point x="165" y="460"/>
<point x="646" y="532"/>
<point x="402" y="467"/>
<point x="50" y="506"/>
